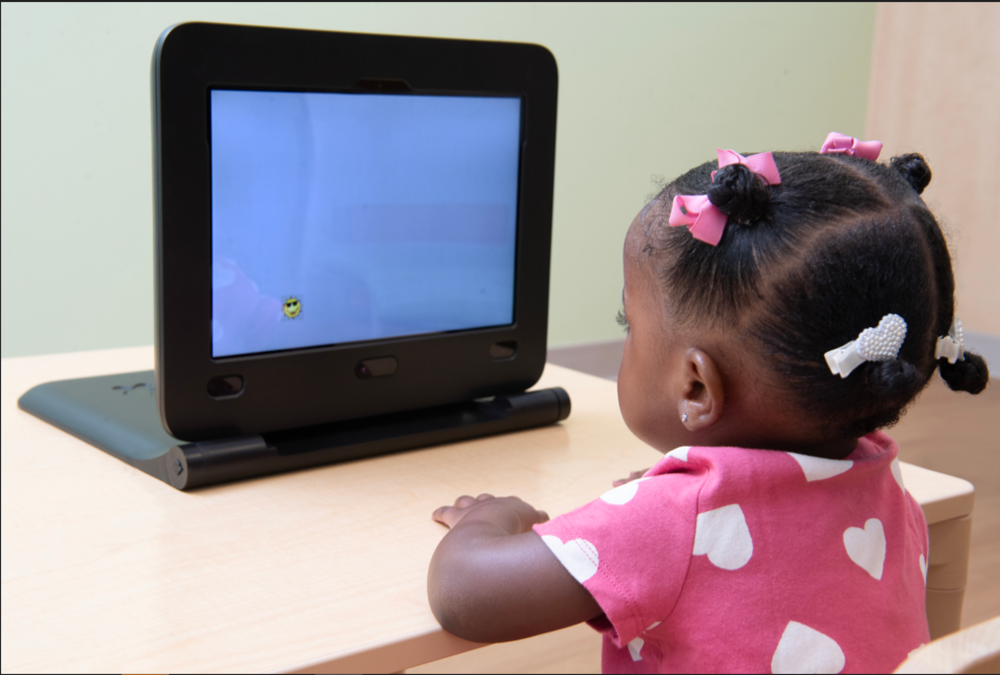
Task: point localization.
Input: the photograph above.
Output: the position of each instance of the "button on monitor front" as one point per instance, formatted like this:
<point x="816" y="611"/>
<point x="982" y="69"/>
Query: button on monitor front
<point x="225" y="386"/>
<point x="504" y="350"/>
<point x="378" y="367"/>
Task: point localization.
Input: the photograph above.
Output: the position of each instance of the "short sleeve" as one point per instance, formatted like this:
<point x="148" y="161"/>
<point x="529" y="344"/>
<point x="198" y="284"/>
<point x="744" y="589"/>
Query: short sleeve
<point x="631" y="548"/>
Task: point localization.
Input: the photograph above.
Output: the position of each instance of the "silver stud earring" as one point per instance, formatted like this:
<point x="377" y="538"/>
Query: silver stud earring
<point x="684" y="417"/>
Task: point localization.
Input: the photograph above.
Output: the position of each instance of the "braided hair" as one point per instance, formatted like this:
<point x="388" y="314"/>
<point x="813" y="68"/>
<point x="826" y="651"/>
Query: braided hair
<point x="805" y="265"/>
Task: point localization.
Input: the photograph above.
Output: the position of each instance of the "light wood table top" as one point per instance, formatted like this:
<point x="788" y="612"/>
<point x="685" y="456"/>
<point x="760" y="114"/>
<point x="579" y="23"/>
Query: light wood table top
<point x="108" y="569"/>
<point x="973" y="650"/>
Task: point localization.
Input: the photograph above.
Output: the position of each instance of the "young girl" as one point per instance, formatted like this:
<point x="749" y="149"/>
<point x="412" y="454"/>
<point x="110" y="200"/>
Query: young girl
<point x="780" y="310"/>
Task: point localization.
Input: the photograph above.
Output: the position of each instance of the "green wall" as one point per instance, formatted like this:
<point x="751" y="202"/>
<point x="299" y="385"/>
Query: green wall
<point x="645" y="91"/>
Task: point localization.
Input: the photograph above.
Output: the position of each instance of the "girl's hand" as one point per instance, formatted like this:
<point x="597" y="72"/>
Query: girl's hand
<point x="502" y="511"/>
<point x="635" y="475"/>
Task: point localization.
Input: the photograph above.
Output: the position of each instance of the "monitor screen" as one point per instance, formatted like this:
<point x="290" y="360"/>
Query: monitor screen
<point x="346" y="217"/>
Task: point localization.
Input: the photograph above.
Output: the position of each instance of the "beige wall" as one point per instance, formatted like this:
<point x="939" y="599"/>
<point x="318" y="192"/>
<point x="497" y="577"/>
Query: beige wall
<point x="935" y="89"/>
<point x="644" y="90"/>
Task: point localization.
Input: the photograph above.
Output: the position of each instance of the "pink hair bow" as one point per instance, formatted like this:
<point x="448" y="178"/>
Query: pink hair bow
<point x="839" y="144"/>
<point x="705" y="221"/>
<point x="761" y="164"/>
<point x="703" y="218"/>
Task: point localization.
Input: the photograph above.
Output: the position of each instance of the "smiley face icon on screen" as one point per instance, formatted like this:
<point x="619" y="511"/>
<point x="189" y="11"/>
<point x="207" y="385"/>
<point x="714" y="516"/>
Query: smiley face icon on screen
<point x="292" y="307"/>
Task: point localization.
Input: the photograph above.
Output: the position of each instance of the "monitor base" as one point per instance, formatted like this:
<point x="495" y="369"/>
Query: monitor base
<point x="118" y="414"/>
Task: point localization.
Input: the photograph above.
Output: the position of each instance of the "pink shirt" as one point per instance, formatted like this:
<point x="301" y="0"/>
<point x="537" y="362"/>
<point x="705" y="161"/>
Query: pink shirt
<point x="737" y="560"/>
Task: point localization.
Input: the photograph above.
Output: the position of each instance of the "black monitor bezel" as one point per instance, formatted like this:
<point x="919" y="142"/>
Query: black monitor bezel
<point x="319" y="385"/>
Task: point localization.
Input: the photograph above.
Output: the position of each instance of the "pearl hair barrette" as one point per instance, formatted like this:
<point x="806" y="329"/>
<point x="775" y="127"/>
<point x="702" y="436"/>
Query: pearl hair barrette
<point x="952" y="345"/>
<point x="881" y="343"/>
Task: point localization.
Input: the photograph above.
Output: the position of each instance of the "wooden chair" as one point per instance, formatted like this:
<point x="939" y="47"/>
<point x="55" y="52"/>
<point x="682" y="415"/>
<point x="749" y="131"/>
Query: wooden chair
<point x="947" y="572"/>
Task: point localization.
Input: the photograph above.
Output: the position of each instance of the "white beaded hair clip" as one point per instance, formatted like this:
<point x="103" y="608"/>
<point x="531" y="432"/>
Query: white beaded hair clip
<point x="881" y="343"/>
<point x="952" y="345"/>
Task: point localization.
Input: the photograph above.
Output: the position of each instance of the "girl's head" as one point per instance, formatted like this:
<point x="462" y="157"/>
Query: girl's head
<point x="802" y="268"/>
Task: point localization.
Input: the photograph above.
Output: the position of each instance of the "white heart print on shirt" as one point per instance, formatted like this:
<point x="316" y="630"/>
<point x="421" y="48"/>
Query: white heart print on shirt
<point x="636" y="644"/>
<point x="623" y="493"/>
<point x="680" y="453"/>
<point x="635" y="648"/>
<point x="867" y="547"/>
<point x="578" y="556"/>
<point x="805" y="650"/>
<point x="723" y="535"/>
<point x="820" y="468"/>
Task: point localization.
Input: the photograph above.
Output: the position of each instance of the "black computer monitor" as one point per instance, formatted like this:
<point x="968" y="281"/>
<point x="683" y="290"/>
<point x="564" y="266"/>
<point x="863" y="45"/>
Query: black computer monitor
<point x="346" y="225"/>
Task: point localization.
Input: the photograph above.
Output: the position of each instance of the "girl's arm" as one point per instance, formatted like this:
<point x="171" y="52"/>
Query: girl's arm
<point x="492" y="579"/>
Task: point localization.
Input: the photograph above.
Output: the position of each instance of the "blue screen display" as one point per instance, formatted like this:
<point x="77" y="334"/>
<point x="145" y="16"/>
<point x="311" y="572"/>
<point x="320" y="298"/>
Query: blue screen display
<point x="349" y="217"/>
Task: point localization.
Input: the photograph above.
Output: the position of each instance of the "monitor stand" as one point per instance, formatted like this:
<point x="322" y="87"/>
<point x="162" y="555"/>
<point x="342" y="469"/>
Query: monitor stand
<point x="118" y="414"/>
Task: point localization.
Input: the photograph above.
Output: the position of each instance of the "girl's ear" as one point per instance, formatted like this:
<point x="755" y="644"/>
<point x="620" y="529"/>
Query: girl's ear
<point x="700" y="394"/>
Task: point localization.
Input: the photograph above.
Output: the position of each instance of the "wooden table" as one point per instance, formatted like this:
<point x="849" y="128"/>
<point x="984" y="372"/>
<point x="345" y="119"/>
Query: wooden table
<point x="108" y="569"/>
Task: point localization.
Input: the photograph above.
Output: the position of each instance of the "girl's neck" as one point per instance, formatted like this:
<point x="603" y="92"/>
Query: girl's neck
<point x="826" y="449"/>
<point x="750" y="424"/>
<point x="759" y="418"/>
<point x="838" y="449"/>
